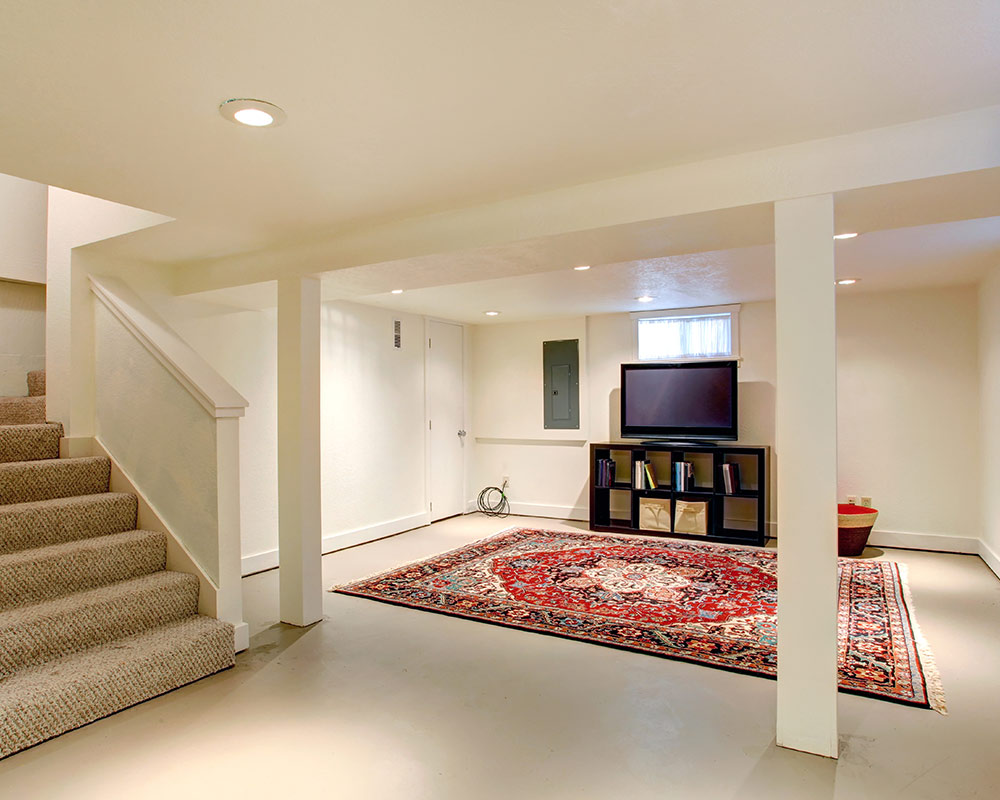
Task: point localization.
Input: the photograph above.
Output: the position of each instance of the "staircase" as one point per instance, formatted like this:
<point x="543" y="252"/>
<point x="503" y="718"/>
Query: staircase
<point x="90" y="620"/>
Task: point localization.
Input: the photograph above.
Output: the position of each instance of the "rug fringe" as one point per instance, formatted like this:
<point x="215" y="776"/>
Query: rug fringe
<point x="935" y="688"/>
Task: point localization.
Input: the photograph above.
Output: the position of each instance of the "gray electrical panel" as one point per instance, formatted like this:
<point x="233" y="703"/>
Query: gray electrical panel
<point x="561" y="364"/>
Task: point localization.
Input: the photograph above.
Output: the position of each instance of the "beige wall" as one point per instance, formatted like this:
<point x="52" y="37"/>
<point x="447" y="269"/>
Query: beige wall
<point x="374" y="469"/>
<point x="22" y="334"/>
<point x="140" y="407"/>
<point x="908" y="416"/>
<point x="23" y="215"/>
<point x="374" y="457"/>
<point x="989" y="363"/>
<point x="908" y="398"/>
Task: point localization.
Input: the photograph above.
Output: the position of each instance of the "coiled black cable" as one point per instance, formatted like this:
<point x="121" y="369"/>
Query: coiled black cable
<point x="494" y="506"/>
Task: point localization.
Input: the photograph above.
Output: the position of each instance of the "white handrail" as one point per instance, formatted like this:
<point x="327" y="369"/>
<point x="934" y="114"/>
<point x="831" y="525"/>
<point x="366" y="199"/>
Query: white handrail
<point x="195" y="374"/>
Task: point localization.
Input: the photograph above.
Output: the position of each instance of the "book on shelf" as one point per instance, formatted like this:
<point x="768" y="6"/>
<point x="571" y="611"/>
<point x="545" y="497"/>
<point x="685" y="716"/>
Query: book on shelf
<point x="650" y="477"/>
<point x="731" y="478"/>
<point x="604" y="473"/>
<point x="643" y="476"/>
<point x="683" y="475"/>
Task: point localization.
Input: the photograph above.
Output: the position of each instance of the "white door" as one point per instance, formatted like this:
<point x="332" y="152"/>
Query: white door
<point x="446" y="419"/>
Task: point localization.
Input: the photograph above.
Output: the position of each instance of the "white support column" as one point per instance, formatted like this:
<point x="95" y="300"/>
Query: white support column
<point x="299" y="518"/>
<point x="806" y="444"/>
<point x="229" y="597"/>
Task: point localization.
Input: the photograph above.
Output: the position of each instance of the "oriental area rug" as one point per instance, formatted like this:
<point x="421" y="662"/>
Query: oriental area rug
<point x="705" y="603"/>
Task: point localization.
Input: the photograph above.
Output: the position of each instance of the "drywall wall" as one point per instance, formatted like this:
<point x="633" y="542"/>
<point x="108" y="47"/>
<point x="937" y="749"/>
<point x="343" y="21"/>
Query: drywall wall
<point x="374" y="457"/>
<point x="550" y="478"/>
<point x="547" y="468"/>
<point x="989" y="431"/>
<point x="908" y="395"/>
<point x="75" y="220"/>
<point x="908" y="409"/>
<point x="374" y="464"/>
<point x="177" y="473"/>
<point x="241" y="346"/>
<point x="22" y="334"/>
<point x="23" y="214"/>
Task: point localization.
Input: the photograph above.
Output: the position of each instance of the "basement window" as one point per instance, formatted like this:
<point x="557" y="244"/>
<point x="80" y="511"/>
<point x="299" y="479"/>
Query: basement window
<point x="687" y="334"/>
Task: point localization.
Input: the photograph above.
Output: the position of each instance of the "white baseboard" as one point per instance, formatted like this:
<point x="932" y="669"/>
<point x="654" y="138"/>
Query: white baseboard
<point x="268" y="559"/>
<point x="925" y="541"/>
<point x="551" y="512"/>
<point x="540" y="510"/>
<point x="989" y="555"/>
<point x="241" y="637"/>
<point x="259" y="562"/>
<point x="338" y="541"/>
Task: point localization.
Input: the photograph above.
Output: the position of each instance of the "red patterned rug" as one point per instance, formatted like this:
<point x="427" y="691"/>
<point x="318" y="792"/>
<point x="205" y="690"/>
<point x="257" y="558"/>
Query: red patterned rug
<point x="711" y="604"/>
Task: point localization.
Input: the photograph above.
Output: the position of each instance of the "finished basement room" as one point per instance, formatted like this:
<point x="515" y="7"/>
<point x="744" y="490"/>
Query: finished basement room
<point x="395" y="403"/>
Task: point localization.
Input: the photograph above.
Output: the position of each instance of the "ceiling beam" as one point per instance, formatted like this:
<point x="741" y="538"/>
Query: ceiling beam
<point x="956" y="143"/>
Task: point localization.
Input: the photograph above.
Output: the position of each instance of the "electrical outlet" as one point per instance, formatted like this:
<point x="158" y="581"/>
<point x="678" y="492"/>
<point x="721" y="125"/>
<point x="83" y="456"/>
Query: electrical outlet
<point x="866" y="502"/>
<point x="852" y="499"/>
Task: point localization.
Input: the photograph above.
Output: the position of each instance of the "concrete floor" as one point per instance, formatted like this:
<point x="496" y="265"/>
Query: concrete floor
<point x="381" y="702"/>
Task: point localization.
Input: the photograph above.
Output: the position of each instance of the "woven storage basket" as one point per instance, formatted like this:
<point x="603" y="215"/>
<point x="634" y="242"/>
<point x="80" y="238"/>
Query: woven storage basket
<point x="854" y="525"/>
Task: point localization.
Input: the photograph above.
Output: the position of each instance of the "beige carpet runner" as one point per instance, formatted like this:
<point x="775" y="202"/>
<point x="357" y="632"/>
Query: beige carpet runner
<point x="90" y="620"/>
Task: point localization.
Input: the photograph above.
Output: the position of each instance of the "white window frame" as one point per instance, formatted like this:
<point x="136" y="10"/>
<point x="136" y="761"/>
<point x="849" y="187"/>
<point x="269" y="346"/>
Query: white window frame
<point x="734" y="329"/>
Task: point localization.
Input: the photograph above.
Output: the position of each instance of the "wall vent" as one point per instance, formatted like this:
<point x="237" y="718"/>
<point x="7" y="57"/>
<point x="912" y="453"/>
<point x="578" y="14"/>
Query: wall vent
<point x="397" y="334"/>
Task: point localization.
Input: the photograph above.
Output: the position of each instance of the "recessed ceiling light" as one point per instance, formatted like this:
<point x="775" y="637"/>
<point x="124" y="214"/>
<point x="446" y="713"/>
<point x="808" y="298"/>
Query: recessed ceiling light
<point x="844" y="235"/>
<point x="492" y="313"/>
<point x="253" y="113"/>
<point x="847" y="281"/>
<point x="644" y="299"/>
<point x="397" y="291"/>
<point x="582" y="267"/>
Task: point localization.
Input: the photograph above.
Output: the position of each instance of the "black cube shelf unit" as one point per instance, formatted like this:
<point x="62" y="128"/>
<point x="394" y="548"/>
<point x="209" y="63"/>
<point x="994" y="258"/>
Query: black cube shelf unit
<point x="736" y="517"/>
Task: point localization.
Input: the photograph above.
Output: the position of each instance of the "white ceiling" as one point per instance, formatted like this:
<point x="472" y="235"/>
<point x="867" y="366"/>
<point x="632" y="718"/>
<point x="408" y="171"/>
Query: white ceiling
<point x="932" y="255"/>
<point x="399" y="108"/>
<point x="941" y="254"/>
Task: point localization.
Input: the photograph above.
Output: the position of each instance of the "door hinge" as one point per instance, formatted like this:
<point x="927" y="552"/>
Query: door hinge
<point x="430" y="425"/>
<point x="428" y="342"/>
<point x="432" y="507"/>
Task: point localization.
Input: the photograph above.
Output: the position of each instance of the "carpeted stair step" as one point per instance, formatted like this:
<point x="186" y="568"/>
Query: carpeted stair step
<point x="32" y="576"/>
<point x="37" y="633"/>
<point x="26" y="481"/>
<point x="36" y="383"/>
<point x="66" y="519"/>
<point x="30" y="442"/>
<point x="22" y="410"/>
<point x="44" y="701"/>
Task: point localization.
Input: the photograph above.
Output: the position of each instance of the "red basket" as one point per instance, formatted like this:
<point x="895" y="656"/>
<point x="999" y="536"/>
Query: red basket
<point x="854" y="525"/>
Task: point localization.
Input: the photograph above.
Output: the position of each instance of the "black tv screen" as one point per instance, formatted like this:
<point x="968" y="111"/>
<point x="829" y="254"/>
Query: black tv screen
<point x="694" y="400"/>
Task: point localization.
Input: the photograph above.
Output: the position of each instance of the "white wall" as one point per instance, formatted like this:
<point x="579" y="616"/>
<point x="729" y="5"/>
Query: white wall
<point x="241" y="346"/>
<point x="373" y="439"/>
<point x="908" y="395"/>
<point x="374" y="457"/>
<point x="22" y="334"/>
<point x="547" y="468"/>
<point x="989" y="365"/>
<point x="23" y="213"/>
<point x="177" y="473"/>
<point x="908" y="416"/>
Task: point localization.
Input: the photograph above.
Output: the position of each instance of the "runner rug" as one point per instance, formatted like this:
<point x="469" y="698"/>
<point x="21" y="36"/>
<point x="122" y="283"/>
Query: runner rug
<point x="706" y="603"/>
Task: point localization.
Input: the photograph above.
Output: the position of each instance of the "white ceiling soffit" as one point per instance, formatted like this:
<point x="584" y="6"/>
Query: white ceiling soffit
<point x="400" y="109"/>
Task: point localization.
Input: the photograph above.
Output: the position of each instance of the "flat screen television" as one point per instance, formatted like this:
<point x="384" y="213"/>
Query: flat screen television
<point x="688" y="401"/>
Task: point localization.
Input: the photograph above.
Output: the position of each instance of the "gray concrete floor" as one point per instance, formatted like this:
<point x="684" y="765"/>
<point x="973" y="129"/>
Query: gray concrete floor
<point x="380" y="702"/>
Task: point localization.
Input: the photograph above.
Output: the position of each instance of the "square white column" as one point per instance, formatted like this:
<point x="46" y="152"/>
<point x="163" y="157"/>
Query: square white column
<point x="299" y="514"/>
<point x="806" y="445"/>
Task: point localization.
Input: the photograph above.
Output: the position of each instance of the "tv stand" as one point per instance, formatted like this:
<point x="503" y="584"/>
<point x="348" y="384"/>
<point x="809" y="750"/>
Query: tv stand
<point x="735" y="514"/>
